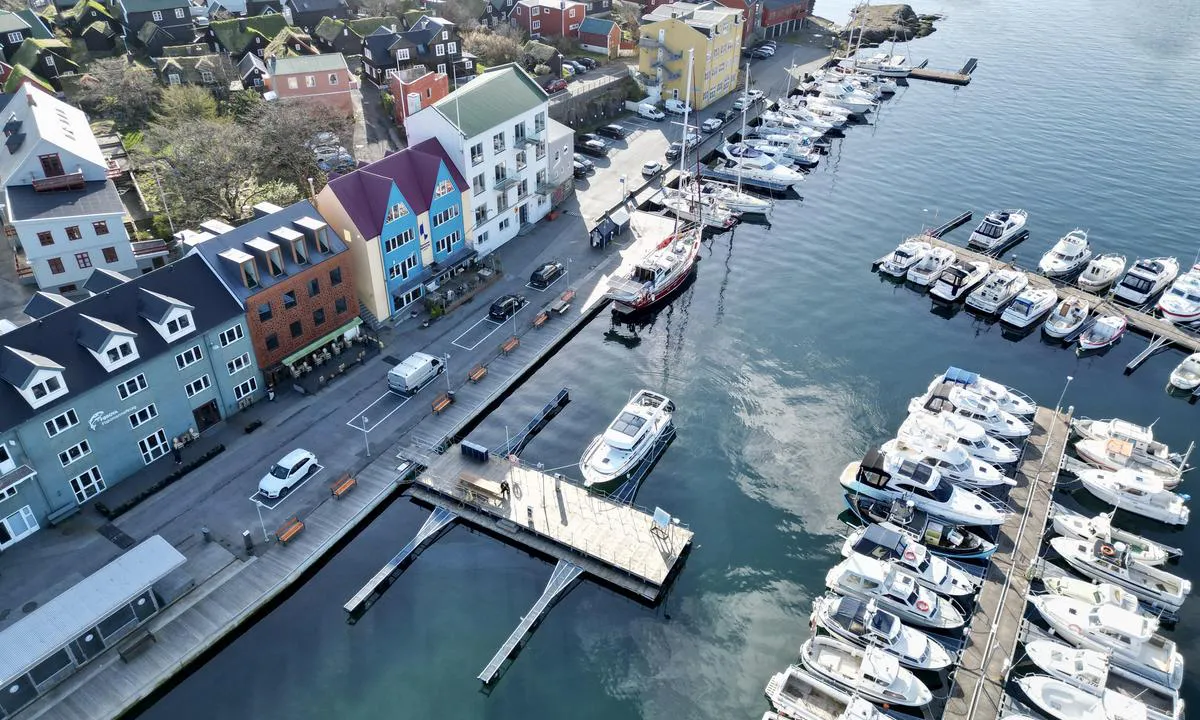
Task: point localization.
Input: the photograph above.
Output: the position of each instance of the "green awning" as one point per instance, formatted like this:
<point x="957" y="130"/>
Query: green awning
<point x="323" y="340"/>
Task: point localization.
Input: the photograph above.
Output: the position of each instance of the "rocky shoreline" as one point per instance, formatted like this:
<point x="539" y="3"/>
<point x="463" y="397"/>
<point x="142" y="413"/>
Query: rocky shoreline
<point x="876" y="24"/>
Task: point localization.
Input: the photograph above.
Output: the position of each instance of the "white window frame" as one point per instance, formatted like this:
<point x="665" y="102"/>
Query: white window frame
<point x="143" y="416"/>
<point x="402" y="54"/>
<point x="132" y="386"/>
<point x="536" y="24"/>
<point x="451" y="48"/>
<point x="16" y="37"/>
<point x="245" y="388"/>
<point x="179" y="13"/>
<point x="181" y="323"/>
<point x="396" y="242"/>
<point x="156" y="16"/>
<point x="88" y="484"/>
<point x="238" y="364"/>
<point x="160" y="446"/>
<point x="189" y="357"/>
<point x="68" y="420"/>
<point x="439" y="49"/>
<point x="77" y="451"/>
<point x="231" y="335"/>
<point x="535" y="11"/>
<point x="198" y="385"/>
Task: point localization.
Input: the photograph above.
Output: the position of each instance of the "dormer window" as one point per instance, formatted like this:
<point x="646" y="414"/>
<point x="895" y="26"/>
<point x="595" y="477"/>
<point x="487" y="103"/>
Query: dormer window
<point x="396" y="212"/>
<point x="249" y="274"/>
<point x="445" y="187"/>
<point x="300" y="251"/>
<point x="170" y="318"/>
<point x="119" y="352"/>
<point x="49" y="386"/>
<point x="179" y="324"/>
<point x="323" y="239"/>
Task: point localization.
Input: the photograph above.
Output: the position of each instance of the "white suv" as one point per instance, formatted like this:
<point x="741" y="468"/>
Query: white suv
<point x="289" y="471"/>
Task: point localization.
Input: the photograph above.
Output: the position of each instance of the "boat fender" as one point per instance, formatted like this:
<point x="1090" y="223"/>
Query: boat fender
<point x="909" y="555"/>
<point x="923" y="606"/>
<point x="1075" y="629"/>
<point x="1107" y="550"/>
<point x="1185" y="496"/>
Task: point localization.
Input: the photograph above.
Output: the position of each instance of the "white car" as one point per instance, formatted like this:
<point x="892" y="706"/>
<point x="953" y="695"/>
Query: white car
<point x="328" y="153"/>
<point x="651" y="168"/>
<point x="292" y="469"/>
<point x="710" y="125"/>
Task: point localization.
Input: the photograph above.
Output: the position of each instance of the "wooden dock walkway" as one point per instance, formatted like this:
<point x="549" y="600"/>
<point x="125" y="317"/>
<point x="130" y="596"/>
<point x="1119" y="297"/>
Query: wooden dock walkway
<point x="978" y="689"/>
<point x="950" y="77"/>
<point x="1140" y="321"/>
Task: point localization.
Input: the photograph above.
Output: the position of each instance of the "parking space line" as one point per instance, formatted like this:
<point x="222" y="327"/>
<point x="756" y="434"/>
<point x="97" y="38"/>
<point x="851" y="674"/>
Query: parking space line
<point x="386" y="395"/>
<point x="466" y="332"/>
<point x="542" y="290"/>
<point x="259" y="498"/>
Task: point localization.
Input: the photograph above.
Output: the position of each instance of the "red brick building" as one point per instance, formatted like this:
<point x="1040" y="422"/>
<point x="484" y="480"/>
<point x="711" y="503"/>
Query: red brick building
<point x="549" y="18"/>
<point x="313" y="78"/>
<point x="414" y="89"/>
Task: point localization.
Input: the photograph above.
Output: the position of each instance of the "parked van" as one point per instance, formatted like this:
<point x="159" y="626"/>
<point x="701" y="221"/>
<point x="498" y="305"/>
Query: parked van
<point x="676" y="107"/>
<point x="650" y="112"/>
<point x="411" y="375"/>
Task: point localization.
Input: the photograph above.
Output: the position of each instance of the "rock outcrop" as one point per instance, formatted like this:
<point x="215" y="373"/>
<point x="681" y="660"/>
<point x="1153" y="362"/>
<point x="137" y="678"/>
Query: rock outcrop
<point x="878" y="24"/>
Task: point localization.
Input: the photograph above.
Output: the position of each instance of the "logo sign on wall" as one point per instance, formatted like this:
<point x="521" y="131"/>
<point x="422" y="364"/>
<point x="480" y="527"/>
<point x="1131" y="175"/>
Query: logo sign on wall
<point x="101" y="418"/>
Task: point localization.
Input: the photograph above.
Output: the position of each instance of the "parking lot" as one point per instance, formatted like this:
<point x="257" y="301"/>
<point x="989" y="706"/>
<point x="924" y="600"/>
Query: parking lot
<point x="382" y="408"/>
<point x="259" y="498"/>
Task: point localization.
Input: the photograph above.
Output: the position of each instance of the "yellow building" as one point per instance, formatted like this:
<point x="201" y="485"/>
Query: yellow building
<point x="713" y="31"/>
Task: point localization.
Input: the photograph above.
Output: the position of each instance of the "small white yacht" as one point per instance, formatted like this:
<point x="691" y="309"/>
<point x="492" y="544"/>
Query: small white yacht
<point x="1069" y="315"/>
<point x="824" y="108"/>
<point x="886" y="542"/>
<point x="1063" y="701"/>
<point x="708" y="212"/>
<point x="1095" y="593"/>
<point x="907" y="254"/>
<point x="871" y="672"/>
<point x="1029" y="307"/>
<point x="866" y="625"/>
<point x="958" y="279"/>
<point x="1105" y="331"/>
<point x="894" y="589"/>
<point x="1118" y="454"/>
<point x="1090" y="671"/>
<point x="807" y="117"/>
<point x="1068" y="255"/>
<point x="797" y="695"/>
<point x="1101" y="272"/>
<point x="786" y="150"/>
<point x="997" y="229"/>
<point x="1132" y="638"/>
<point x="966" y="433"/>
<point x="757" y="171"/>
<point x="1112" y="563"/>
<point x="1147" y="278"/>
<point x="1181" y="303"/>
<point x="847" y="97"/>
<point x="950" y="459"/>
<point x="1000" y="286"/>
<point x="731" y="197"/>
<point x="1009" y="400"/>
<point x="884" y="64"/>
<point x="1137" y="493"/>
<point x="1072" y="524"/>
<point x="628" y="439"/>
<point x="782" y="123"/>
<point x="930" y="267"/>
<point x="1186" y="375"/>
<point x="1140" y="436"/>
<point x="949" y="397"/>
<point x="878" y="478"/>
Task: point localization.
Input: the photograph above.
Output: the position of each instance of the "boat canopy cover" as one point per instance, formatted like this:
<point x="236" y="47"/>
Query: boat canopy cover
<point x="852" y="614"/>
<point x="873" y="461"/>
<point x="963" y="377"/>
<point x="884" y="538"/>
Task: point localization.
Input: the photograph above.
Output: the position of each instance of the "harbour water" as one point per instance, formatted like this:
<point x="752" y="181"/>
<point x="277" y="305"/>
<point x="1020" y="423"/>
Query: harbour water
<point x="787" y="358"/>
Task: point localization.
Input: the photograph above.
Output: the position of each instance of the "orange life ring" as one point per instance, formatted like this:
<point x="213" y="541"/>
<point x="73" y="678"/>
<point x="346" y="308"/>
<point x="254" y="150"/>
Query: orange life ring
<point x="1108" y="550"/>
<point x="909" y="555"/>
<point x="922" y="606"/>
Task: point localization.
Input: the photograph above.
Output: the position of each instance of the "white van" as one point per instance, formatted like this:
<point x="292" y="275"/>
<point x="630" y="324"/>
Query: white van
<point x="676" y="107"/>
<point x="650" y="112"/>
<point x="411" y="375"/>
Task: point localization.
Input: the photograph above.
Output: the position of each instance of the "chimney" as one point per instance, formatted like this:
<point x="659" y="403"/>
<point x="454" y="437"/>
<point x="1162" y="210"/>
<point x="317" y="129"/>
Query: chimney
<point x="271" y="64"/>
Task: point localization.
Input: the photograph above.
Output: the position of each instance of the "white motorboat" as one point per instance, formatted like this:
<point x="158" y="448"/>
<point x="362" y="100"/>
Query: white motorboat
<point x="760" y="172"/>
<point x="1130" y="637"/>
<point x="807" y="117"/>
<point x="1072" y="524"/>
<point x="1112" y="563"/>
<point x="1090" y="671"/>
<point x="866" y="625"/>
<point x="848" y="98"/>
<point x="1063" y="701"/>
<point x="661" y="272"/>
<point x="778" y="122"/>
<point x="1101" y="272"/>
<point x="958" y="279"/>
<point x="997" y="229"/>
<point x="797" y="695"/>
<point x="1069" y="315"/>
<point x="1186" y="375"/>
<point x="1008" y="399"/>
<point x="1147" y="451"/>
<point x="882" y="541"/>
<point x="709" y="212"/>
<point x="1095" y="593"/>
<point x="950" y="397"/>
<point x="950" y="540"/>
<point x="1069" y="254"/>
<point x="872" y="673"/>
<point x="962" y="431"/>
<point x="871" y="92"/>
<point x="1117" y="454"/>
<point x="884" y="64"/>
<point x="930" y="267"/>
<point x="786" y="150"/>
<point x="1000" y="286"/>
<point x="1181" y="303"/>
<point x="824" y="108"/>
<point x="1137" y="493"/>
<point x="950" y="459"/>
<point x="1029" y="307"/>
<point x="1147" y="278"/>
<point x="875" y="84"/>
<point x="878" y="478"/>
<point x="731" y="197"/>
<point x="907" y="254"/>
<point x="1107" y="330"/>
<point x="893" y="589"/>
<point x="628" y="438"/>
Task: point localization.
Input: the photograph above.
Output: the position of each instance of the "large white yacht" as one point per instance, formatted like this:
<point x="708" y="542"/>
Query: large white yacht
<point x="907" y="254"/>
<point x="1001" y="286"/>
<point x="930" y="267"/>
<point x="871" y="672"/>
<point x="1181" y="303"/>
<point x="786" y="150"/>
<point x="709" y="212"/>
<point x="949" y="458"/>
<point x="1146" y="278"/>
<point x="612" y="455"/>
<point x="1137" y="493"/>
<point x="846" y="96"/>
<point x="1009" y="399"/>
<point x="1099" y="527"/>
<point x="1112" y="563"/>
<point x="884" y="541"/>
<point x="1090" y="671"/>
<point x="866" y="625"/>
<point x="950" y="397"/>
<point x="884" y="64"/>
<point x="750" y="167"/>
<point x="807" y="117"/>
<point x="964" y="432"/>
<point x="958" y="279"/>
<point x="1068" y="255"/>
<point x="997" y="229"/>
<point x="919" y="483"/>
<point x="730" y="197"/>
<point x="1063" y="701"/>
<point x="894" y="589"/>
<point x="797" y="695"/>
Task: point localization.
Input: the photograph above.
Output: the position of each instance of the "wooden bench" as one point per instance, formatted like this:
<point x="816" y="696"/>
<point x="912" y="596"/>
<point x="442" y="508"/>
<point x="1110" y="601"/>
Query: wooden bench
<point x="342" y="485"/>
<point x="540" y="319"/>
<point x="479" y="489"/>
<point x="477" y="373"/>
<point x="510" y="344"/>
<point x="441" y="402"/>
<point x="289" y="529"/>
<point x="135" y="644"/>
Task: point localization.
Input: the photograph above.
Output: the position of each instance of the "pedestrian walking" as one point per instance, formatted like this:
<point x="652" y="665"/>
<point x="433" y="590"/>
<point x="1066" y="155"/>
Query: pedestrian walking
<point x="504" y="491"/>
<point x="177" y="451"/>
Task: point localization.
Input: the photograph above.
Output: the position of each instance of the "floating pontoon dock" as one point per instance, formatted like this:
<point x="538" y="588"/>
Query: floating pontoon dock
<point x="962" y="77"/>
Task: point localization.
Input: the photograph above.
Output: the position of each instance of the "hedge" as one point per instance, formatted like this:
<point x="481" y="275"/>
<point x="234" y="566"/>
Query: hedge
<point x="115" y="512"/>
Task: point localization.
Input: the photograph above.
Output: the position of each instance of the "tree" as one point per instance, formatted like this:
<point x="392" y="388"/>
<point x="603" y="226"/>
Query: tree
<point x="119" y="90"/>
<point x="241" y="105"/>
<point x="185" y="103"/>
<point x="628" y="15"/>
<point x="282" y="132"/>
<point x="494" y="47"/>
<point x="460" y="12"/>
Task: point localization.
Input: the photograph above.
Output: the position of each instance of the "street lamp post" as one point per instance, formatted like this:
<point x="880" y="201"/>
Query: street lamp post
<point x="446" y="357"/>
<point x="1064" y="394"/>
<point x="258" y="506"/>
<point x="366" y="436"/>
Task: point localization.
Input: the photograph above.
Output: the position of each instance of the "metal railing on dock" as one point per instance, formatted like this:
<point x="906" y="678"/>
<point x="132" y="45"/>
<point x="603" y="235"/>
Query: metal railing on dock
<point x="437" y="522"/>
<point x="629" y="488"/>
<point x="515" y="444"/>
<point x="564" y="576"/>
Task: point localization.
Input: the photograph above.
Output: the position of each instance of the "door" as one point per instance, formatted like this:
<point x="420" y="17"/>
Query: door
<point x="206" y="415"/>
<point x="17" y="526"/>
<point x="52" y="165"/>
<point x="524" y="214"/>
<point x="7" y="464"/>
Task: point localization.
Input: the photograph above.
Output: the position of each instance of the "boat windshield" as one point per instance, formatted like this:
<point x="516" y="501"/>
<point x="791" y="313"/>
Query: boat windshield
<point x="1021" y="306"/>
<point x="1137" y="284"/>
<point x="990" y="229"/>
<point x="628" y="424"/>
<point x="883" y="624"/>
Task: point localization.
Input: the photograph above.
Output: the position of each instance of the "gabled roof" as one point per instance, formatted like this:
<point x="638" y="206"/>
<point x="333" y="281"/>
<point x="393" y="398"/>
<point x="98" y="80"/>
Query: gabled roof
<point x="43" y="303"/>
<point x="539" y="51"/>
<point x="155" y="307"/>
<point x="37" y="25"/>
<point x="33" y="48"/>
<point x="44" y="116"/>
<point x="300" y="64"/>
<point x="93" y="333"/>
<point x="238" y="34"/>
<point x="150" y="30"/>
<point x="330" y="29"/>
<point x="21" y="76"/>
<point x="102" y="279"/>
<point x="380" y="42"/>
<point x="84" y="5"/>
<point x="596" y="26"/>
<point x="17" y="366"/>
<point x="97" y="197"/>
<point x="52" y="338"/>
<point x="189" y="50"/>
<point x="249" y="63"/>
<point x="12" y="22"/>
<point x="423" y="31"/>
<point x="501" y="93"/>
<point x="102" y="27"/>
<point x="364" y="193"/>
<point x="291" y="42"/>
<point x="192" y="68"/>
<point x="307" y="6"/>
<point x="144" y="6"/>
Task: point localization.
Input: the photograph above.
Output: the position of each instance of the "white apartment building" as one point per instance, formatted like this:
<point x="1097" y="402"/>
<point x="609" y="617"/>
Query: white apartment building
<point x="497" y="129"/>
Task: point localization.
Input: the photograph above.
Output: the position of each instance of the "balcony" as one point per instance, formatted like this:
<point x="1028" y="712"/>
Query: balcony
<point x="68" y="181"/>
<point x="531" y="139"/>
<point x="649" y="43"/>
<point x="147" y="249"/>
<point x="505" y="183"/>
<point x="17" y="475"/>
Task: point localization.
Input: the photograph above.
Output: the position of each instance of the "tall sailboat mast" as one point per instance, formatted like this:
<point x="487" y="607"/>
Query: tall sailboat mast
<point x="745" y="109"/>
<point x="683" y="141"/>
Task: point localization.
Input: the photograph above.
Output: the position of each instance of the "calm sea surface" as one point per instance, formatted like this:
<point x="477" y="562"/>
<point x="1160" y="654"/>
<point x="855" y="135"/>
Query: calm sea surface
<point x="787" y="359"/>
